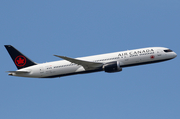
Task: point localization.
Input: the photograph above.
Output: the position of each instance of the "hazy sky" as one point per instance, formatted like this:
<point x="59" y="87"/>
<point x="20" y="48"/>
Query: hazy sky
<point x="41" y="28"/>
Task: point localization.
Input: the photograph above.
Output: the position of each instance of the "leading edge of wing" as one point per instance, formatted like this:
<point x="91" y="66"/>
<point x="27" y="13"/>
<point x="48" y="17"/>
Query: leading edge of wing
<point x="86" y="64"/>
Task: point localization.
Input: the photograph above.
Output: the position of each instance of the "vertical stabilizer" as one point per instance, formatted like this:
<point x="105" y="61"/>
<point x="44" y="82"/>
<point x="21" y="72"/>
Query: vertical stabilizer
<point x="20" y="60"/>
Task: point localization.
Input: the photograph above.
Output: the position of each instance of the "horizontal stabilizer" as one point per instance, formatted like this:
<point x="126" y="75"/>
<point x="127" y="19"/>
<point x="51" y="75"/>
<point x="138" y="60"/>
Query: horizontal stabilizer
<point x="19" y="72"/>
<point x="86" y="64"/>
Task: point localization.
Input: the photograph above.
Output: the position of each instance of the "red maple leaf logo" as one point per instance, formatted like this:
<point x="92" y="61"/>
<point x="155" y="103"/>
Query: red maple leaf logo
<point x="20" y="61"/>
<point x="152" y="56"/>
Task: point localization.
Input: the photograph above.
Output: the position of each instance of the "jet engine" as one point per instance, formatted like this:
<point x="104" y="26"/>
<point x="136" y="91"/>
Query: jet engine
<point x="112" y="67"/>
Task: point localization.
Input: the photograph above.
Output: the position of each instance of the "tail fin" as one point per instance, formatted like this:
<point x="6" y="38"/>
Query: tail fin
<point x="20" y="60"/>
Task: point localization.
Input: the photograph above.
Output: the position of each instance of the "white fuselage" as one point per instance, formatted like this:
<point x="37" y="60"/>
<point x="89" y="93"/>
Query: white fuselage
<point x="125" y="58"/>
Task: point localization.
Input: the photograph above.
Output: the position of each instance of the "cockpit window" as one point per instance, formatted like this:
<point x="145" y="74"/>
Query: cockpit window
<point x="168" y="50"/>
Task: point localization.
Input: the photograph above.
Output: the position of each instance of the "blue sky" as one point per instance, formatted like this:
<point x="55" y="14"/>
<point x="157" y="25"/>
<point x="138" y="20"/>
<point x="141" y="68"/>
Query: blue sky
<point x="40" y="29"/>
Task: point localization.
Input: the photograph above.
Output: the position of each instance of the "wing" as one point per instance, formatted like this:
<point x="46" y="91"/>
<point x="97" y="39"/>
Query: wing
<point x="86" y="64"/>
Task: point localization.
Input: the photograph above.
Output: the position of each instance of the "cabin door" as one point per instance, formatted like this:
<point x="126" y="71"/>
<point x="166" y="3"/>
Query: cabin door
<point x="41" y="71"/>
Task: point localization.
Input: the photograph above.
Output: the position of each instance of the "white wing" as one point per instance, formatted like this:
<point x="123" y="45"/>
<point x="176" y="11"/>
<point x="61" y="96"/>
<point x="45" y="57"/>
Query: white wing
<point x="86" y="64"/>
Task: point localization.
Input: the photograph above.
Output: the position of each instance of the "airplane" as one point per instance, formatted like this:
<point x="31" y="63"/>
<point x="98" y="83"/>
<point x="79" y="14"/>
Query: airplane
<point x="110" y="62"/>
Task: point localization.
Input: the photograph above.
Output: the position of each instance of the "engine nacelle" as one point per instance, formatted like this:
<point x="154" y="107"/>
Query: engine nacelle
<point x="112" y="67"/>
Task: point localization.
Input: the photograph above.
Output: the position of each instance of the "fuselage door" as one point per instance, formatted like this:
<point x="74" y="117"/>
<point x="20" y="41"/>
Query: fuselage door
<point x="41" y="71"/>
<point x="159" y="53"/>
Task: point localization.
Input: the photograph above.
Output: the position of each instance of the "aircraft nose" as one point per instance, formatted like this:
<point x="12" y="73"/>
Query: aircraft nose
<point x="174" y="55"/>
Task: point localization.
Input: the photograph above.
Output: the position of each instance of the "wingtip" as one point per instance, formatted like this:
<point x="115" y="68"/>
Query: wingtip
<point x="59" y="56"/>
<point x="55" y="55"/>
